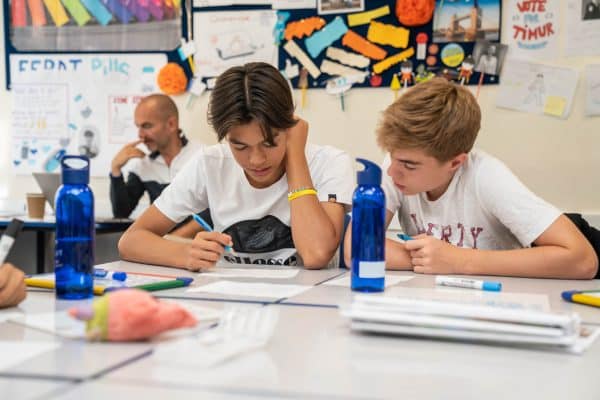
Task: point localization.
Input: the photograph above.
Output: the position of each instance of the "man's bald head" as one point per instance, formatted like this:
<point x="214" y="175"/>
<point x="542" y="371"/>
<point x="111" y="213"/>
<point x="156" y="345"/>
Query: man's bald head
<point x="161" y="105"/>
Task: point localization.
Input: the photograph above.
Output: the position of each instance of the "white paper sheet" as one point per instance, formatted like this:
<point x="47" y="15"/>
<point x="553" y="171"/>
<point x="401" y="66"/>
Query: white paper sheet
<point x="251" y="273"/>
<point x="515" y="301"/>
<point x="583" y="35"/>
<point x="228" y="38"/>
<point x="390" y="280"/>
<point x="592" y="89"/>
<point x="220" y="3"/>
<point x="16" y="352"/>
<point x="268" y="290"/>
<point x="537" y="88"/>
<point x="533" y="27"/>
<point x="58" y="323"/>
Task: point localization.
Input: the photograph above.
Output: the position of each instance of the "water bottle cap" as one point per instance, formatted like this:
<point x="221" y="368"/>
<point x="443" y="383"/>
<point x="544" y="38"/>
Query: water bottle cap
<point x="75" y="170"/>
<point x="371" y="175"/>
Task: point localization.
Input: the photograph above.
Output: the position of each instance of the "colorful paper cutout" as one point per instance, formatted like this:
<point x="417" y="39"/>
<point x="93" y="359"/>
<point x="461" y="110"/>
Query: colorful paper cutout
<point x="333" y="68"/>
<point x="295" y="51"/>
<point x="316" y="43"/>
<point x="367" y="16"/>
<point x="36" y="10"/>
<point x="303" y="27"/>
<point x="98" y="11"/>
<point x="386" y="34"/>
<point x="77" y="11"/>
<point x="18" y="14"/>
<point x="347" y="58"/>
<point x="363" y="46"/>
<point x="393" y="60"/>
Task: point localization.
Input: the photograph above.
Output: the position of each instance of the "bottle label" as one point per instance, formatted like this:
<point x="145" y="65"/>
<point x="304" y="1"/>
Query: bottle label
<point x="371" y="269"/>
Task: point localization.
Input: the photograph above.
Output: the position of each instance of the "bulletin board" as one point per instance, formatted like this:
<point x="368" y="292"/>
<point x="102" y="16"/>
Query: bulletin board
<point x="390" y="38"/>
<point x="77" y="69"/>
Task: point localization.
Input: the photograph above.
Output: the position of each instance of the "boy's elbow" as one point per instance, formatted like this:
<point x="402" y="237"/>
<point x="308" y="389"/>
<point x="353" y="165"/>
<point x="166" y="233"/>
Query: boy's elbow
<point x="317" y="259"/>
<point x="124" y="245"/>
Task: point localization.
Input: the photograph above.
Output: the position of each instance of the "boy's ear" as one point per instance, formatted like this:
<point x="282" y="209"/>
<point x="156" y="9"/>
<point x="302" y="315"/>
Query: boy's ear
<point x="458" y="161"/>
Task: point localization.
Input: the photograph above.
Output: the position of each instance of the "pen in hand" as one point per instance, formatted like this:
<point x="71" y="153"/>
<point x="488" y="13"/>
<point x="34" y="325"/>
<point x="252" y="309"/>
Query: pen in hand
<point x="8" y="238"/>
<point x="208" y="228"/>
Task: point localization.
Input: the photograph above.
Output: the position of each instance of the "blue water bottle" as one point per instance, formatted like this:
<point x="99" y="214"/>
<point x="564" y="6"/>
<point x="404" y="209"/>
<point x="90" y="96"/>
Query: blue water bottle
<point x="368" y="230"/>
<point x="74" y="246"/>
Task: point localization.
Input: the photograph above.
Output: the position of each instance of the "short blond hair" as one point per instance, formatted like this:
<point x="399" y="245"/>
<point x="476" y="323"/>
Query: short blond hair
<point x="439" y="117"/>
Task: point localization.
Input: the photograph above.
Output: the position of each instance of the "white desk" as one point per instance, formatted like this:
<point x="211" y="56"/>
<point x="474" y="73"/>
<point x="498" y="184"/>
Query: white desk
<point x="30" y="389"/>
<point x="304" y="277"/>
<point x="313" y="353"/>
<point x="333" y="296"/>
<point x="106" y="390"/>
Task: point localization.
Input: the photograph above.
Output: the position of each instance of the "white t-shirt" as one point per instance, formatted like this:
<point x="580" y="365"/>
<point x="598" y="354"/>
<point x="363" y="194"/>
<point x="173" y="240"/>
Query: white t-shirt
<point x="258" y="220"/>
<point x="484" y="207"/>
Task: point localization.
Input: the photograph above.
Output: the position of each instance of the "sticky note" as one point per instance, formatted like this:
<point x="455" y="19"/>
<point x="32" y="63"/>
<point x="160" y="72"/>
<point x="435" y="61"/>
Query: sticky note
<point x="57" y="12"/>
<point x="36" y="9"/>
<point x="555" y="105"/>
<point x="386" y="34"/>
<point x="393" y="60"/>
<point x="77" y="11"/>
<point x="18" y="14"/>
<point x="366" y="17"/>
<point x="97" y="9"/>
<point x="316" y="43"/>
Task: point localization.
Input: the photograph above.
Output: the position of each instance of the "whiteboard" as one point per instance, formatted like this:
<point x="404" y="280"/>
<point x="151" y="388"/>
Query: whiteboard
<point x="78" y="104"/>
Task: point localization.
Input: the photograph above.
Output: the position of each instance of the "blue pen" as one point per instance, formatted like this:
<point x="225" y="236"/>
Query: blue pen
<point x="208" y="228"/>
<point x="404" y="237"/>
<point x="106" y="274"/>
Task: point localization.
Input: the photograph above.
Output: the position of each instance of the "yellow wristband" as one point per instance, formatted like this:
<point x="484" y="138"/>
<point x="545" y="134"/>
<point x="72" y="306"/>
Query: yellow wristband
<point x="299" y="193"/>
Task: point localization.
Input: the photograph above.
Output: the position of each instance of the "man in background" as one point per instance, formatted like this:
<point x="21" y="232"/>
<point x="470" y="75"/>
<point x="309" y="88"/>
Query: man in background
<point x="157" y="120"/>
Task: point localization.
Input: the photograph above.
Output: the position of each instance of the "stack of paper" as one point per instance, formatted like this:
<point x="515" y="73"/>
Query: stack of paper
<point x="455" y="321"/>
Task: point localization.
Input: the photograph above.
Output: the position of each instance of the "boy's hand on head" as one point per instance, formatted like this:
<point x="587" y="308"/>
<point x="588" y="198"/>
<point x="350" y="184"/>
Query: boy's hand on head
<point x="128" y="152"/>
<point x="206" y="249"/>
<point x="297" y="136"/>
<point x="12" y="286"/>
<point x="432" y="256"/>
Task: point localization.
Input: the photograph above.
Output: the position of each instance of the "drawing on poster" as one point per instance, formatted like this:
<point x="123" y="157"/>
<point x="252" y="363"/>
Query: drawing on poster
<point x="466" y="20"/>
<point x="534" y="28"/>
<point x="227" y="38"/>
<point x="537" y="88"/>
<point x="340" y="6"/>
<point x="76" y="104"/>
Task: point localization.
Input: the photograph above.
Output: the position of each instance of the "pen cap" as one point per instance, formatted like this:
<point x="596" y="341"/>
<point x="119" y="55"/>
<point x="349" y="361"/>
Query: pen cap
<point x="75" y="170"/>
<point x="119" y="276"/>
<point x="371" y="175"/>
<point x="492" y="286"/>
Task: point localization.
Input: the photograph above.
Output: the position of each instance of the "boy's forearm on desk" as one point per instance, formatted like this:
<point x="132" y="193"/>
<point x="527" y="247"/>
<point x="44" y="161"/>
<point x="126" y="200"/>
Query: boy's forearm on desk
<point x="147" y="247"/>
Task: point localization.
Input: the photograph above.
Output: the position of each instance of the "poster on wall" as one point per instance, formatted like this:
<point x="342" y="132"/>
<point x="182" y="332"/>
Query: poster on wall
<point x="466" y="21"/>
<point x="583" y="28"/>
<point x="537" y="88"/>
<point x="76" y="104"/>
<point x="592" y="90"/>
<point x="228" y="38"/>
<point x="534" y="29"/>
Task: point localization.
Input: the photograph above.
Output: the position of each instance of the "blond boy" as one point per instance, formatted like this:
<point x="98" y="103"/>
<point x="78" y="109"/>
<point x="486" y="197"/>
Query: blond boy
<point x="466" y="211"/>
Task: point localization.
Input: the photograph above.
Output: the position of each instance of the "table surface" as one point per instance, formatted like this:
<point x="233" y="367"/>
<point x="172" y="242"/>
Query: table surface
<point x="312" y="354"/>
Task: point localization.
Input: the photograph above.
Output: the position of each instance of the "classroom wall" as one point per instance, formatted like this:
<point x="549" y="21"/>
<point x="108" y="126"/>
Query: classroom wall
<point x="557" y="159"/>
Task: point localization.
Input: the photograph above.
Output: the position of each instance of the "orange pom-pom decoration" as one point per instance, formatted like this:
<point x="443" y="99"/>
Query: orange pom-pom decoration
<point x="414" y="12"/>
<point x="171" y="79"/>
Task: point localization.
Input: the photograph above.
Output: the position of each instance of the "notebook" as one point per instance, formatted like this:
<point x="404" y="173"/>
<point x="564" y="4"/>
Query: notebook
<point x="477" y="323"/>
